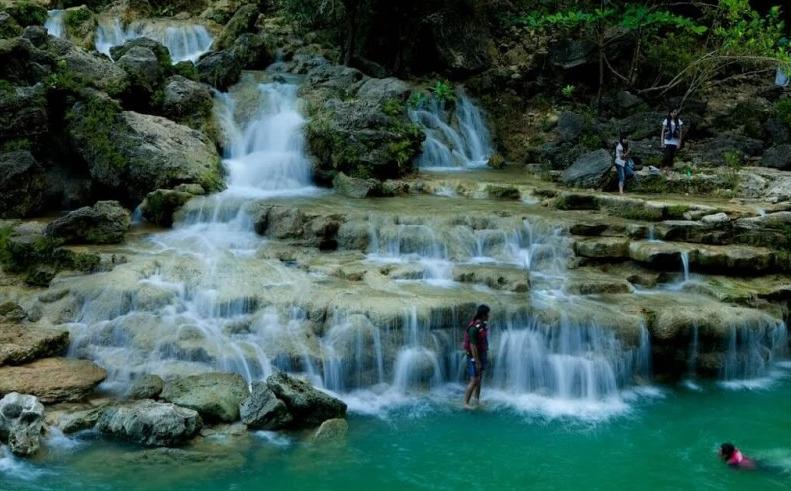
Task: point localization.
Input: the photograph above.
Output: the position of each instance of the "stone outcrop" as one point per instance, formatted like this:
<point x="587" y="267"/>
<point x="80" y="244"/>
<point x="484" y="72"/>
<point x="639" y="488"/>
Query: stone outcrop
<point x="138" y="153"/>
<point x="106" y="222"/>
<point x="332" y="430"/>
<point x="21" y="343"/>
<point x="150" y="423"/>
<point x="146" y="387"/>
<point x="591" y="170"/>
<point x="21" y="422"/>
<point x="307" y="405"/>
<point x="216" y="396"/>
<point x="263" y="410"/>
<point x="22" y="184"/>
<point x="160" y="205"/>
<point x="52" y="379"/>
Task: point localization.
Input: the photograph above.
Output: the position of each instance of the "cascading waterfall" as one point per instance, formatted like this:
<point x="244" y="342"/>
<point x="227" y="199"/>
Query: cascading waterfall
<point x="685" y="265"/>
<point x="185" y="42"/>
<point x="456" y="137"/>
<point x="55" y="23"/>
<point x="752" y="351"/>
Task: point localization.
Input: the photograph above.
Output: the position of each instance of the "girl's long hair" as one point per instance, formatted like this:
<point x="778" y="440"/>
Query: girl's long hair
<point x="670" y="118"/>
<point x="483" y="311"/>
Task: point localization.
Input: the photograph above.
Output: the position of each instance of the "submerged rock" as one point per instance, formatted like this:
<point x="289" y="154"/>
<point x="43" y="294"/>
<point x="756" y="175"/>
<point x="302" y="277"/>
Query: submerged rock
<point x="150" y="423"/>
<point x="24" y="343"/>
<point x="74" y="421"/>
<point x="331" y="430"/>
<point x="216" y="396"/>
<point x="21" y="421"/>
<point x="352" y="187"/>
<point x="106" y="222"/>
<point x="262" y="410"/>
<point x="308" y="406"/>
<point x="52" y="379"/>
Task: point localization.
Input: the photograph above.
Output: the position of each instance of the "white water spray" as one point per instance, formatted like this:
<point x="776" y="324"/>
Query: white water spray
<point x="185" y="42"/>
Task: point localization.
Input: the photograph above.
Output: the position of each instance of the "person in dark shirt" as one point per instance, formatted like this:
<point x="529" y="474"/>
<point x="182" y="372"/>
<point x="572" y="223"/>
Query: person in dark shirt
<point x="476" y="344"/>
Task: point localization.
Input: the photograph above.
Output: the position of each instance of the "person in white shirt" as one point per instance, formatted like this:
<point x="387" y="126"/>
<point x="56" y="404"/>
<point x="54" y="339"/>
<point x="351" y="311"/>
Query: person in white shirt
<point x="672" y="137"/>
<point x="623" y="164"/>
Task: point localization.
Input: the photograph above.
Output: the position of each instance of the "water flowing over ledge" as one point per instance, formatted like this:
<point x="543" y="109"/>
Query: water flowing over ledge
<point x="55" y="24"/>
<point x="185" y="42"/>
<point x="456" y="134"/>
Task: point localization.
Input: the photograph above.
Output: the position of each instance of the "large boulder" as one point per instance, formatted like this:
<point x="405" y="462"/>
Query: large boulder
<point x="106" y="222"/>
<point x="76" y="66"/>
<point x="570" y="126"/>
<point x="352" y="187"/>
<point x="220" y="69"/>
<point x="137" y="153"/>
<point x="383" y="89"/>
<point x="52" y="379"/>
<point x="143" y="68"/>
<point x="216" y="396"/>
<point x="22" y="63"/>
<point x="242" y="21"/>
<point x="22" y="184"/>
<point x="307" y="405"/>
<point x="23" y="111"/>
<point x="9" y="27"/>
<point x="727" y="146"/>
<point x="185" y="99"/>
<point x="591" y="170"/>
<point x="25" y="343"/>
<point x="160" y="205"/>
<point x="21" y="422"/>
<point x="332" y="430"/>
<point x="262" y="410"/>
<point x="80" y="25"/>
<point x="146" y="387"/>
<point x="253" y="51"/>
<point x="160" y="52"/>
<point x="361" y="136"/>
<point x="150" y="423"/>
<point x="778" y="157"/>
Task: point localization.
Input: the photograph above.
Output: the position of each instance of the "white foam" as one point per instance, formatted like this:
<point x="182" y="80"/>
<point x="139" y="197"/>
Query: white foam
<point x="273" y="437"/>
<point x="16" y="468"/>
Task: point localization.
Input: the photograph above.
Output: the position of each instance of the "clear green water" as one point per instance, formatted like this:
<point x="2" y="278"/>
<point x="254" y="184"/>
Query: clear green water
<point x="664" y="441"/>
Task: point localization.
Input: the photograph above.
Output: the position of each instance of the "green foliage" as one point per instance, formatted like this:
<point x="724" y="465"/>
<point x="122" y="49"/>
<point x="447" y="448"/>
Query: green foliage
<point x="6" y="87"/>
<point x="186" y="69"/>
<point x="28" y="13"/>
<point x="95" y="121"/>
<point x="783" y="110"/>
<point x="393" y="107"/>
<point x="5" y="253"/>
<point x="75" y="18"/>
<point x="676" y="212"/>
<point x="443" y="90"/>
<point x="417" y="99"/>
<point x="568" y="91"/>
<point x="16" y="144"/>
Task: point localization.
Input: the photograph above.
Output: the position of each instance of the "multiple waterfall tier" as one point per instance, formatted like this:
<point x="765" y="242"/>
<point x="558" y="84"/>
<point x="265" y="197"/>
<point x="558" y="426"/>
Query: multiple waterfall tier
<point x="185" y="42"/>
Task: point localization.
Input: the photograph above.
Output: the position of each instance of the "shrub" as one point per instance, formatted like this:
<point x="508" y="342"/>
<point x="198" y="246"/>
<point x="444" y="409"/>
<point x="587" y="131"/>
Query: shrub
<point x="443" y="91"/>
<point x="28" y="14"/>
<point x="783" y="110"/>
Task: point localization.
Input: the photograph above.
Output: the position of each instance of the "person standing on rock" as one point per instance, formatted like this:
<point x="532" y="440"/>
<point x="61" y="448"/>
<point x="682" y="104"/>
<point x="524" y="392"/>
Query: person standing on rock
<point x="476" y="345"/>
<point x="623" y="163"/>
<point x="671" y="139"/>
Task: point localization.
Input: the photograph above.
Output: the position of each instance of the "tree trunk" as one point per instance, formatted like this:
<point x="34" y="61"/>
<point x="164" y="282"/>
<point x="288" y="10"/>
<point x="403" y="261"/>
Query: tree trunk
<point x="349" y="45"/>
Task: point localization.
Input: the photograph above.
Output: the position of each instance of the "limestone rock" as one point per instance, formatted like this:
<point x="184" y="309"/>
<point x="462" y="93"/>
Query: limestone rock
<point x="23" y="112"/>
<point x="24" y="343"/>
<point x="331" y="430"/>
<point x="352" y="187"/>
<point x="308" y="406"/>
<point x="184" y="98"/>
<point x="603" y="248"/>
<point x="216" y="396"/>
<point x="106" y="222"/>
<point x="9" y="27"/>
<point x="138" y="153"/>
<point x="570" y="126"/>
<point x="21" y="421"/>
<point x="383" y="89"/>
<point x="52" y="379"/>
<point x="591" y="170"/>
<point x="778" y="157"/>
<point x="142" y="66"/>
<point x="220" y="69"/>
<point x="146" y="387"/>
<point x="262" y="410"/>
<point x="715" y="218"/>
<point x="150" y="423"/>
<point x="160" y="205"/>
<point x="160" y="52"/>
<point x="22" y="184"/>
<point x="242" y="21"/>
<point x="74" y="421"/>
<point x="93" y="70"/>
<point x="23" y="63"/>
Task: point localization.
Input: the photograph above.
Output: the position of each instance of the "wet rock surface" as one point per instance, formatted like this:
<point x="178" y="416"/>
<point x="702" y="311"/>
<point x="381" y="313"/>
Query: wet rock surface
<point x="216" y="396"/>
<point x="150" y="423"/>
<point x="52" y="379"/>
<point x="21" y="423"/>
<point x="106" y="222"/>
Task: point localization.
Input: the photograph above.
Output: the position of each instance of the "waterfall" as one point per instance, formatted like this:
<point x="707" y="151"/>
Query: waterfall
<point x="185" y="42"/>
<point x="456" y="136"/>
<point x="54" y="24"/>
<point x="685" y="265"/>
<point x="752" y="351"/>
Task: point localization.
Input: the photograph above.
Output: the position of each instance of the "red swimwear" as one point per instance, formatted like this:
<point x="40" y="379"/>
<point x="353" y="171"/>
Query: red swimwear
<point x="737" y="459"/>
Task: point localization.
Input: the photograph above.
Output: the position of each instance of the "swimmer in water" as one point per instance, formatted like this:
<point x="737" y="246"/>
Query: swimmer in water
<point x="734" y="457"/>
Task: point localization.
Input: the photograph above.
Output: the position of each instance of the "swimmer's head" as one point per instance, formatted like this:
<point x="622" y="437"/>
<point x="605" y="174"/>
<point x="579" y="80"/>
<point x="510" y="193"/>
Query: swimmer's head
<point x="727" y="450"/>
